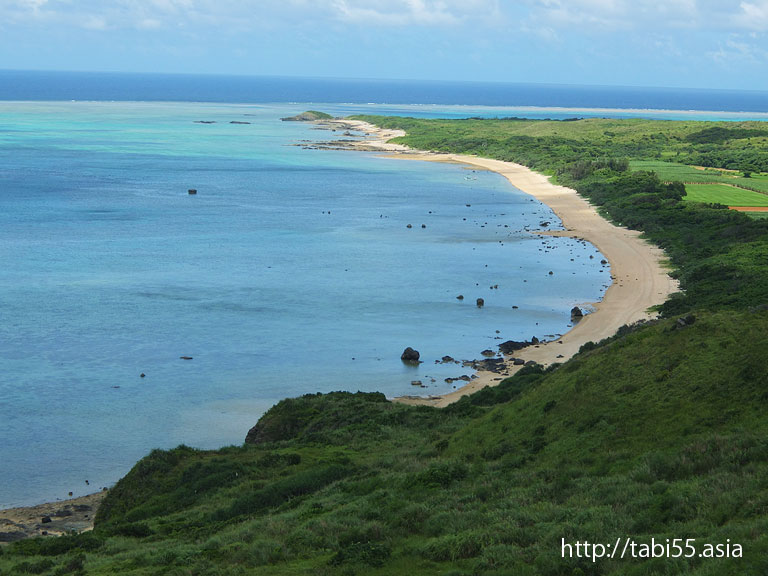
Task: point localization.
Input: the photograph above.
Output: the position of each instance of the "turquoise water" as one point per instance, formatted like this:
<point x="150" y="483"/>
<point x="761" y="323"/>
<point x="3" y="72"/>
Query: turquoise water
<point x="291" y="271"/>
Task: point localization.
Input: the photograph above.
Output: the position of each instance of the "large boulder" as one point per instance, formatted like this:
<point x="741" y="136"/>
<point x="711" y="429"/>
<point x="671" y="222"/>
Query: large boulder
<point x="576" y="313"/>
<point x="410" y="355"/>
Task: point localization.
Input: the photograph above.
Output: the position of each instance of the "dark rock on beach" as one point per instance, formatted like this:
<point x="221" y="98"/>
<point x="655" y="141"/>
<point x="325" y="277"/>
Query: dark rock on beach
<point x="511" y="346"/>
<point x="576" y="313"/>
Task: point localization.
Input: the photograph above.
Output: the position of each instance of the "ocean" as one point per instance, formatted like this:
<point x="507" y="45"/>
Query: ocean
<point x="291" y="271"/>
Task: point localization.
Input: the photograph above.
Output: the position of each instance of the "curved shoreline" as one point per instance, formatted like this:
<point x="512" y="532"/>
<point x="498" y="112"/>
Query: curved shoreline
<point x="639" y="278"/>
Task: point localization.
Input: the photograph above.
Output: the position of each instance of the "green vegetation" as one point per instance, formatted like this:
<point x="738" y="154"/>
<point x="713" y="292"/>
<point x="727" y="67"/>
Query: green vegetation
<point x="674" y="172"/>
<point x="724" y="194"/>
<point x="308" y="116"/>
<point x="658" y="432"/>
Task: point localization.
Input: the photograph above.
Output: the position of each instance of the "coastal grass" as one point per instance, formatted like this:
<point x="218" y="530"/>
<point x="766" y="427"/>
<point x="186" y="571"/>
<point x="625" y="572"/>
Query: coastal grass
<point x="656" y="433"/>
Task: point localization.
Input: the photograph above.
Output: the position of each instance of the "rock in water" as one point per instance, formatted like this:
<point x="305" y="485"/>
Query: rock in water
<point x="410" y="355"/>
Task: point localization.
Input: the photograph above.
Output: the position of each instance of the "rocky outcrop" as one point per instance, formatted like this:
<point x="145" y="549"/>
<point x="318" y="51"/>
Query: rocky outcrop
<point x="410" y="355"/>
<point x="576" y="313"/>
<point x="511" y="346"/>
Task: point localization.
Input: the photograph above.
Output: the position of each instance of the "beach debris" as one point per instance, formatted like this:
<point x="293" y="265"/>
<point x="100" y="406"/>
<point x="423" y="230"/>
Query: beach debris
<point x="480" y="302"/>
<point x="192" y="191"/>
<point x="410" y="355"/>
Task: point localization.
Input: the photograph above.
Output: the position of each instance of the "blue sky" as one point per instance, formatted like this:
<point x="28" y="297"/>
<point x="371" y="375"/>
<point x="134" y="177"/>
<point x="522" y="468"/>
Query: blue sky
<point x="686" y="43"/>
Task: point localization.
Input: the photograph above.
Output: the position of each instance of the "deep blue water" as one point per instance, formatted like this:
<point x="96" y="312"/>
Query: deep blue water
<point x="29" y="85"/>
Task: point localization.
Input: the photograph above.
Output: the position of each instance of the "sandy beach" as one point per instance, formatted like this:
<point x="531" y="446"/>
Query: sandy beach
<point x="639" y="278"/>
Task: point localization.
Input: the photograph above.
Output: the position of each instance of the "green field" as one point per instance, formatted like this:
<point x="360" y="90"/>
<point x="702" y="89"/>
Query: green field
<point x="673" y="172"/>
<point x="724" y="194"/>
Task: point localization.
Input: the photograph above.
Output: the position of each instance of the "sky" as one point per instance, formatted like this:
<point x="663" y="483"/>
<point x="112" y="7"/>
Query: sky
<point x="675" y="43"/>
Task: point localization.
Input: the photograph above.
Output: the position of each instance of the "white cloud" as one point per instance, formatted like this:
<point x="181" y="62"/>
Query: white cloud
<point x="753" y="15"/>
<point x="737" y="51"/>
<point x="397" y="13"/>
<point x="95" y="23"/>
<point x="613" y="14"/>
<point x="549" y="19"/>
<point x="251" y="13"/>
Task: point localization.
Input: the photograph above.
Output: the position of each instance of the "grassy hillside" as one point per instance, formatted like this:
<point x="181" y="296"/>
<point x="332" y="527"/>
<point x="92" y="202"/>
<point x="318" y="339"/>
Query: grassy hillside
<point x="657" y="433"/>
<point x="661" y="433"/>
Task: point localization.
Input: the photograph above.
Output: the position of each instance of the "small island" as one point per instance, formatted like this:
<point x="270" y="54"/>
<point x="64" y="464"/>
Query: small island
<point x="308" y="116"/>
